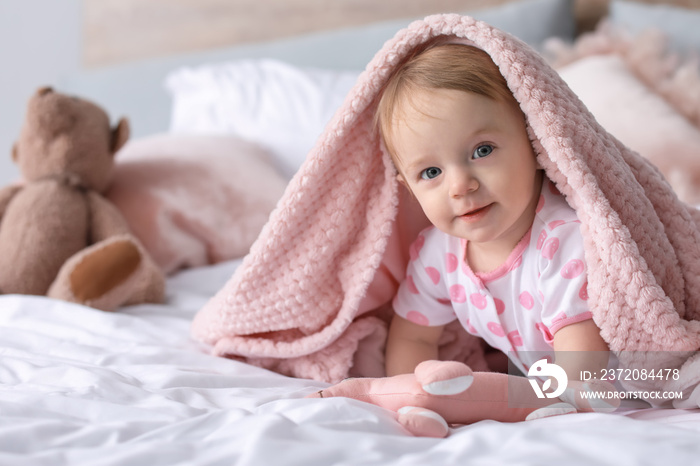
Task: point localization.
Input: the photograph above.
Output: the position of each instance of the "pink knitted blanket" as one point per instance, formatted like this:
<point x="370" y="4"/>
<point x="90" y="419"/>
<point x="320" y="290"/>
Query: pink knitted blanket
<point x="312" y="289"/>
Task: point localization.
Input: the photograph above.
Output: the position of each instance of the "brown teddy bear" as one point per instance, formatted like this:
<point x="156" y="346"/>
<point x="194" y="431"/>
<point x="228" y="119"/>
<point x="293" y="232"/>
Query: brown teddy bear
<point x="58" y="235"/>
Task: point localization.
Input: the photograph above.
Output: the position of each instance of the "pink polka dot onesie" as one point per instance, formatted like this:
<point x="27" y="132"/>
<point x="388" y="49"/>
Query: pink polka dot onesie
<point x="516" y="308"/>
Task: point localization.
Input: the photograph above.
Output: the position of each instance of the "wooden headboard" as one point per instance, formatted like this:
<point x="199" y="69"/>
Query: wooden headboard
<point x="123" y="30"/>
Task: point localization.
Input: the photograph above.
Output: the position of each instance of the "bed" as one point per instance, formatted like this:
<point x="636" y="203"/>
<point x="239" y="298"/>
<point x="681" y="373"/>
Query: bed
<point x="82" y="386"/>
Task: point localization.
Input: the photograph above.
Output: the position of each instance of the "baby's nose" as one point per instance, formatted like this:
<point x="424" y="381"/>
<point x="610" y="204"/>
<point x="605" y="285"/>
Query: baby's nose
<point x="462" y="183"/>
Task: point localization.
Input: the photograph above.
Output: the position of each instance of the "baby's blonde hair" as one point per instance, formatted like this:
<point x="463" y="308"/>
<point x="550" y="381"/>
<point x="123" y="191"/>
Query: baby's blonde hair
<point x="439" y="66"/>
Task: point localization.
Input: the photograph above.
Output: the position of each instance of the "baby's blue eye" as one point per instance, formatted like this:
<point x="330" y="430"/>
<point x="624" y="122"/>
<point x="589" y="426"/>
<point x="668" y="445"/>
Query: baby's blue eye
<point x="482" y="151"/>
<point x="430" y="173"/>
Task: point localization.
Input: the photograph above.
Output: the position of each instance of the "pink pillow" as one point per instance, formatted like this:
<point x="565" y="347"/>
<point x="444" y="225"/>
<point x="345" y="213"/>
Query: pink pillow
<point x="194" y="199"/>
<point x="643" y="94"/>
<point x="640" y="118"/>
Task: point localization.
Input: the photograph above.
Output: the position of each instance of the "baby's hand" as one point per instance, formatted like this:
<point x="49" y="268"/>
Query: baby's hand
<point x="591" y="396"/>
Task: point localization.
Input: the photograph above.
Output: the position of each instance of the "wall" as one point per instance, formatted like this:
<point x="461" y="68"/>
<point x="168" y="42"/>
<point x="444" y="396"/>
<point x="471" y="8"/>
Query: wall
<point x="40" y="43"/>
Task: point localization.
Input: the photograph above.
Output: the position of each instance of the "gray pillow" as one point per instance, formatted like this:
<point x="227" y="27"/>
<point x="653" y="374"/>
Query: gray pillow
<point x="533" y="21"/>
<point x="681" y="25"/>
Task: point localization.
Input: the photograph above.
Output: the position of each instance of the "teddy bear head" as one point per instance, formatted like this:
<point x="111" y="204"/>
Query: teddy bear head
<point x="68" y="138"/>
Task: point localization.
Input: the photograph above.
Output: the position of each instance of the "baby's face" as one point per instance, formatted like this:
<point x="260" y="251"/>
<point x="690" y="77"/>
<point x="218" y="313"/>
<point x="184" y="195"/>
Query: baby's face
<point x="469" y="163"/>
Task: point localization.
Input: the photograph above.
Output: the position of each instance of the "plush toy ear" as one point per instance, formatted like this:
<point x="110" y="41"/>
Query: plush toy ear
<point x="120" y="134"/>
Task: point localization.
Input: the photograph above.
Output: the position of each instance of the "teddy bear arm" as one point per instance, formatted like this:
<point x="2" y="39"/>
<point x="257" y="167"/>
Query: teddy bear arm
<point x="106" y="220"/>
<point x="6" y="195"/>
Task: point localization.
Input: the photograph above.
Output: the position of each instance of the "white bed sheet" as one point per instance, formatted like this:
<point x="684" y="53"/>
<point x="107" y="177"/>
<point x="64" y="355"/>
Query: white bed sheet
<point x="80" y="386"/>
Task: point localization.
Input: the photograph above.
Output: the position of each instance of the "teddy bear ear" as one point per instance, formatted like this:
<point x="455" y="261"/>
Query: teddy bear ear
<point x="120" y="134"/>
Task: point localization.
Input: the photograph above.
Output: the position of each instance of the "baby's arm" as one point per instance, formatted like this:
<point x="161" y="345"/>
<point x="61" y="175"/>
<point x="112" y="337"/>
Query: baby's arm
<point x="579" y="347"/>
<point x="6" y="195"/>
<point x="409" y="344"/>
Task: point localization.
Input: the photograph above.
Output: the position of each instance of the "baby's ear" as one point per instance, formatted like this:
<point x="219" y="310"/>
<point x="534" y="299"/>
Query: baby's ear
<point x="404" y="183"/>
<point x="401" y="179"/>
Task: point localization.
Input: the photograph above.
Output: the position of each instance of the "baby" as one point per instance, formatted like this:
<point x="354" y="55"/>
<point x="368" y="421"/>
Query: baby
<point x="504" y="255"/>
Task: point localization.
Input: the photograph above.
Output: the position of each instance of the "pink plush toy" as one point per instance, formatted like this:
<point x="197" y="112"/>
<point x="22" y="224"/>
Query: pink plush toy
<point x="440" y="393"/>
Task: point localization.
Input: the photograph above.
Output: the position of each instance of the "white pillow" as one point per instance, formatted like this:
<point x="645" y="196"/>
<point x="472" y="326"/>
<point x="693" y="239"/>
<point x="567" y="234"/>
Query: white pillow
<point x="280" y="106"/>
<point x="639" y="117"/>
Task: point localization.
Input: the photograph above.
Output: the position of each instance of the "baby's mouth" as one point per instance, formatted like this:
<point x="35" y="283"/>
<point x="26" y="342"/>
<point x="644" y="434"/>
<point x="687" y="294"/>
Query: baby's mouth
<point x="476" y="213"/>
